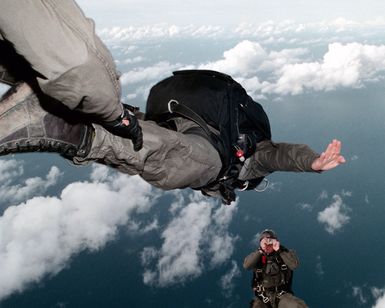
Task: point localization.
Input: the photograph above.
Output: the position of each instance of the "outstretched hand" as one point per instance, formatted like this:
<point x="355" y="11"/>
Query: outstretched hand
<point x="329" y="159"/>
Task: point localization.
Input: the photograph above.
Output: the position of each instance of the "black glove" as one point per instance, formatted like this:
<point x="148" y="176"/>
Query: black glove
<point x="127" y="126"/>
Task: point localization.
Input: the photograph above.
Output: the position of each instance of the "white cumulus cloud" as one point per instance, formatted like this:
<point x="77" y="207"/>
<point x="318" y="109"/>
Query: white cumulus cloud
<point x="335" y="216"/>
<point x="155" y="72"/>
<point x="196" y="237"/>
<point x="39" y="237"/>
<point x="379" y="294"/>
<point x="343" y="65"/>
<point x="244" y="59"/>
<point x="289" y="71"/>
<point x="10" y="169"/>
<point x="31" y="186"/>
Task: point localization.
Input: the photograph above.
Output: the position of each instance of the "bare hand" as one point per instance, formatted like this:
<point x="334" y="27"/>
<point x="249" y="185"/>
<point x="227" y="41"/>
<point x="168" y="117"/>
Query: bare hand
<point x="269" y="245"/>
<point x="276" y="245"/>
<point x="329" y="159"/>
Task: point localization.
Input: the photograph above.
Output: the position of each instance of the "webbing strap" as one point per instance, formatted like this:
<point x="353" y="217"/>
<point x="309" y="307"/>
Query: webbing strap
<point x="175" y="107"/>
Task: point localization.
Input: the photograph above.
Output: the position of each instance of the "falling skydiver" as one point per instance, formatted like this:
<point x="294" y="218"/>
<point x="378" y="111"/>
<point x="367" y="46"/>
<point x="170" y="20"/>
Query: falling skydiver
<point x="70" y="104"/>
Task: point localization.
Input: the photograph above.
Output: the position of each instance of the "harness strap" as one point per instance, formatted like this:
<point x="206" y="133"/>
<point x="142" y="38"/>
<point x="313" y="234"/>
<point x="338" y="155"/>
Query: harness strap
<point x="262" y="292"/>
<point x="175" y="107"/>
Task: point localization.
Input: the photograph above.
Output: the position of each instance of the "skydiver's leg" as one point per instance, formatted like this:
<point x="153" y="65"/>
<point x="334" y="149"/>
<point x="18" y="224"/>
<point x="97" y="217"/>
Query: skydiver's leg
<point x="288" y="300"/>
<point x="168" y="159"/>
<point x="26" y="127"/>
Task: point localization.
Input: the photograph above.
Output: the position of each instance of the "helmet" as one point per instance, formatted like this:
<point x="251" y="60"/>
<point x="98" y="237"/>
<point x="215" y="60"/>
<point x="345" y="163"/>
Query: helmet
<point x="267" y="233"/>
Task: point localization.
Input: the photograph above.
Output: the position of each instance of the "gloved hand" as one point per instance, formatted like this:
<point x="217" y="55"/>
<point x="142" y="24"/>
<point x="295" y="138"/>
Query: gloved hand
<point x="127" y="126"/>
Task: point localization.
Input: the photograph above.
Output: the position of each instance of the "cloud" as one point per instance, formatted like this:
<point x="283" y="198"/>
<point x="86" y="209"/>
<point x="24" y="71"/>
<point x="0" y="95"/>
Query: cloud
<point x="379" y="294"/>
<point x="227" y="280"/>
<point x="31" y="187"/>
<point x="323" y="195"/>
<point x="359" y="294"/>
<point x="268" y="32"/>
<point x="10" y="169"/>
<point x="346" y="193"/>
<point x="289" y="73"/>
<point x="335" y="216"/>
<point x="349" y="65"/>
<point x="196" y="237"/>
<point x="141" y="228"/>
<point x="254" y="63"/>
<point x="159" y="31"/>
<point x="243" y="59"/>
<point x="305" y="206"/>
<point x="40" y="236"/>
<point x="147" y="255"/>
<point x="155" y="72"/>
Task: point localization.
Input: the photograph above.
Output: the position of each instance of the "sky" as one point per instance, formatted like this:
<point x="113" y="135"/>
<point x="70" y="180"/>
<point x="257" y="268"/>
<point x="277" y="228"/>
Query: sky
<point x="227" y="12"/>
<point x="90" y="236"/>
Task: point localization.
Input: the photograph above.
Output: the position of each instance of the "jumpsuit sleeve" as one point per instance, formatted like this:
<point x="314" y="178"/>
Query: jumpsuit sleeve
<point x="251" y="260"/>
<point x="289" y="257"/>
<point x="271" y="157"/>
<point x="60" y="44"/>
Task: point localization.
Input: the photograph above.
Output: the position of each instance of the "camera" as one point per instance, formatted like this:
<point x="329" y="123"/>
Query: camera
<point x="269" y="241"/>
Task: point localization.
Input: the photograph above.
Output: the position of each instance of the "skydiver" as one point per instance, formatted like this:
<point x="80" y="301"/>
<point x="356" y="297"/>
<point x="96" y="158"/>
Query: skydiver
<point x="272" y="265"/>
<point x="70" y="104"/>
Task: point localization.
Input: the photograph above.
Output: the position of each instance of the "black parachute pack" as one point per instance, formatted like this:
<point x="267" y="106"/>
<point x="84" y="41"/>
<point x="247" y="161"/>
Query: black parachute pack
<point x="228" y="116"/>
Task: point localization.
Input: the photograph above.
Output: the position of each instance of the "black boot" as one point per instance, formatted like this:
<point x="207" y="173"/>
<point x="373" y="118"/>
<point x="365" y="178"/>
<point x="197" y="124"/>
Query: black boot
<point x="26" y="127"/>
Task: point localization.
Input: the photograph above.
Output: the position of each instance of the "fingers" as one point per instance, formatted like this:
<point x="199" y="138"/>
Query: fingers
<point x="333" y="149"/>
<point x="333" y="152"/>
<point x="341" y="159"/>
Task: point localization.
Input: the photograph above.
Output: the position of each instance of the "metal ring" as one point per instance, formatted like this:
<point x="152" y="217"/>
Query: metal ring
<point x="169" y="104"/>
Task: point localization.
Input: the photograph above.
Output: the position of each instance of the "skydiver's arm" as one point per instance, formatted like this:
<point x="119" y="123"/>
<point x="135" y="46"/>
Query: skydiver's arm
<point x="289" y="257"/>
<point x="271" y="157"/>
<point x="252" y="259"/>
<point x="72" y="64"/>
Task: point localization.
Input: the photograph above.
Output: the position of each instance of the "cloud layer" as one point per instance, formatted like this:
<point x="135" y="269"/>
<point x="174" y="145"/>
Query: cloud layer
<point x="39" y="236"/>
<point x="287" y="31"/>
<point x="291" y="71"/>
<point x="343" y="65"/>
